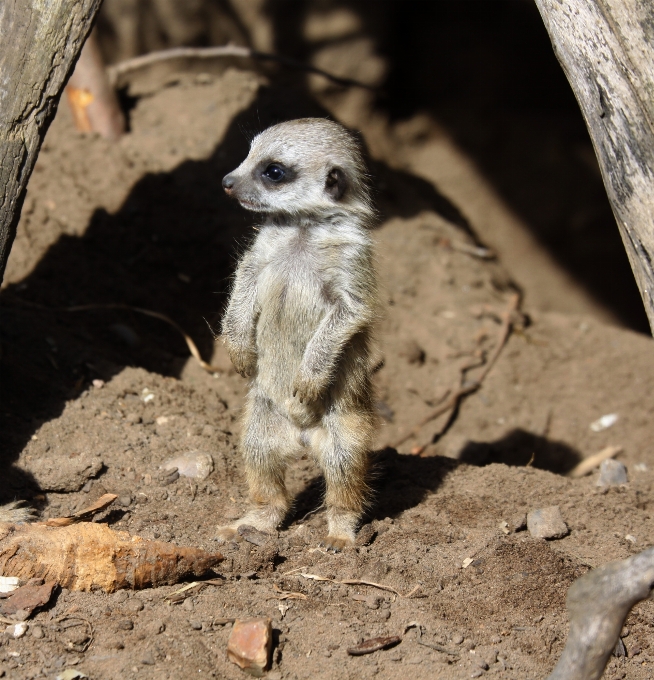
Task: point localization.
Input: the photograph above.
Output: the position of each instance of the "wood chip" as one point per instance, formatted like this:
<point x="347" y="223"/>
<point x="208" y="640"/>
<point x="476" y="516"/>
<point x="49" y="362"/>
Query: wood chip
<point x="85" y="514"/>
<point x="374" y="645"/>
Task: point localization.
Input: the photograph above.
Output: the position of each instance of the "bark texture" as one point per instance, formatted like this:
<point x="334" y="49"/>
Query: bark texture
<point x="40" y="41"/>
<point x="606" y="48"/>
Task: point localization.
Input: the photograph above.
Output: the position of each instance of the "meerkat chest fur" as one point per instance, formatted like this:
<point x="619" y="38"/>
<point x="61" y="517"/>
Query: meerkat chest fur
<point x="306" y="270"/>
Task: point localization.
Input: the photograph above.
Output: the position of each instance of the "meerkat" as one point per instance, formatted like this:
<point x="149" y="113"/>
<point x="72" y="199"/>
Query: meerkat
<point x="300" y="319"/>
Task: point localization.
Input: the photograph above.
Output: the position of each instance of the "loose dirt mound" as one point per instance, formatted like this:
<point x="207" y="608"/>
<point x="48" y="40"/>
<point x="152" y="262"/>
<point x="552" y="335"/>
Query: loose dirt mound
<point x="145" y="223"/>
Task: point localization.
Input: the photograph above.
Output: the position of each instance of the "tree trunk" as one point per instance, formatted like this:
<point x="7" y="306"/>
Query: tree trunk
<point x="606" y="48"/>
<point x="39" y="44"/>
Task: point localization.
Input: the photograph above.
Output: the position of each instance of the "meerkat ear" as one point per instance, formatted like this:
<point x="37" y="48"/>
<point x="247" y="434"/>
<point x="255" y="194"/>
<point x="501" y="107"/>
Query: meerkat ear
<point x="336" y="183"/>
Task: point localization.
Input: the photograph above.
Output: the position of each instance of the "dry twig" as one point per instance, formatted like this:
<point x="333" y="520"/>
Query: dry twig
<point x="589" y="464"/>
<point x="115" y="72"/>
<point x="85" y="513"/>
<point x="507" y="318"/>
<point x="359" y="582"/>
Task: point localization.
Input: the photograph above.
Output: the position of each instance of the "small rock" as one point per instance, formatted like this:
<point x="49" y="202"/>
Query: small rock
<point x="134" y="606"/>
<point x="252" y="535"/>
<point x="457" y="638"/>
<point x="612" y="473"/>
<point x="155" y="628"/>
<point x="133" y="418"/>
<point x="18" y="630"/>
<point x="194" y="464"/>
<point x="36" y="632"/>
<point x="366" y="535"/>
<point x="547" y="523"/>
<point x="196" y="625"/>
<point x="518" y="522"/>
<point x="603" y="423"/>
<point x="98" y="384"/>
<point x="412" y="352"/>
<point x="188" y="604"/>
<point x="121" y="596"/>
<point x="250" y="644"/>
<point x="125" y="501"/>
<point x="125" y="624"/>
<point x="147" y="659"/>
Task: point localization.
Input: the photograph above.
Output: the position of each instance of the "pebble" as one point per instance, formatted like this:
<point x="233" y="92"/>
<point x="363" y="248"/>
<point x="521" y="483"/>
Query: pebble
<point x="134" y="606"/>
<point x="196" y="625"/>
<point x="188" y="604"/>
<point x="457" y="638"/>
<point x="193" y="464"/>
<point x="147" y="659"/>
<point x="125" y="501"/>
<point x="518" y="522"/>
<point x="121" y="596"/>
<point x="252" y="535"/>
<point x="547" y="523"/>
<point x="36" y="632"/>
<point x="125" y="624"/>
<point x="250" y="644"/>
<point x="612" y="473"/>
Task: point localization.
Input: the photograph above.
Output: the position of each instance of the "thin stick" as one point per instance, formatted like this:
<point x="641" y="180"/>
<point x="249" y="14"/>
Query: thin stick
<point x="357" y="582"/>
<point x="589" y="464"/>
<point x="439" y="648"/>
<point x="129" y="65"/>
<point x="155" y="315"/>
<point x="459" y="393"/>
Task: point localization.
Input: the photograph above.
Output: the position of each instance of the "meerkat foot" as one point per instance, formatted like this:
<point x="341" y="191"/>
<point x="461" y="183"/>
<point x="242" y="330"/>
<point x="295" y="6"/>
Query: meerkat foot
<point x="261" y="519"/>
<point x="337" y="543"/>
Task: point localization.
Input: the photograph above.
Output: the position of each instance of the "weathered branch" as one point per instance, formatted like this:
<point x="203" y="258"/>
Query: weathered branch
<point x="39" y="43"/>
<point x="598" y="604"/>
<point x="606" y="51"/>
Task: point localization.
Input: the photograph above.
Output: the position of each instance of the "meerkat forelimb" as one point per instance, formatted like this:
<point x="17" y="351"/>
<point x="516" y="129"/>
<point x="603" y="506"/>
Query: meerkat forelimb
<point x="300" y="319"/>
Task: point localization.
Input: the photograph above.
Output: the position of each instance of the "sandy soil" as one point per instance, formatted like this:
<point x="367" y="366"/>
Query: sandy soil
<point x="145" y="223"/>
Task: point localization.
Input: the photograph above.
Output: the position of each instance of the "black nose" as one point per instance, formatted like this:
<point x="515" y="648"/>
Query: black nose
<point x="228" y="183"/>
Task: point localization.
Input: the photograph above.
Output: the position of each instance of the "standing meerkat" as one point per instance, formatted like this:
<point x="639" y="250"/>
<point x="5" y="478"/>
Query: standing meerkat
<point x="300" y="318"/>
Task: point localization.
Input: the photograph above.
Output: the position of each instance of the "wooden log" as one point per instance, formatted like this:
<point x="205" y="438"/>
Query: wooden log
<point x="39" y="44"/>
<point x="606" y="50"/>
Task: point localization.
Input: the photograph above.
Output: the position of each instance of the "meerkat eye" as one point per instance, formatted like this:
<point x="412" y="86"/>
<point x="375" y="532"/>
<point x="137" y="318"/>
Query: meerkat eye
<point x="275" y="172"/>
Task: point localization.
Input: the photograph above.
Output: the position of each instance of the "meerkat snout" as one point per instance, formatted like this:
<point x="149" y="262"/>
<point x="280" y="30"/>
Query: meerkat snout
<point x="308" y="166"/>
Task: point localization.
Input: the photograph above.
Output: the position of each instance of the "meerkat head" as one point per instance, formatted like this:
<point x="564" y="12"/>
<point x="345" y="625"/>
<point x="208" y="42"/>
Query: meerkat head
<point x="308" y="166"/>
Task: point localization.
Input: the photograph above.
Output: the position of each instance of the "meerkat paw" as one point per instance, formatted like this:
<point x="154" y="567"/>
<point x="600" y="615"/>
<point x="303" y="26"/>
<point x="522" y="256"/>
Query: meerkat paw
<point x="336" y="543"/>
<point x="244" y="361"/>
<point x="307" y="390"/>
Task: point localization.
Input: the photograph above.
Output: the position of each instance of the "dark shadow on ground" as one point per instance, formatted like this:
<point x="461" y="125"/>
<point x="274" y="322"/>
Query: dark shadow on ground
<point x="521" y="448"/>
<point x="403" y="481"/>
<point x="486" y="72"/>
<point x="170" y="248"/>
<point x="399" y="482"/>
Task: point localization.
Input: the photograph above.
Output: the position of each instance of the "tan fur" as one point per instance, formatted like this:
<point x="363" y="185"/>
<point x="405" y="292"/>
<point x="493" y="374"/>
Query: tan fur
<point x="300" y="318"/>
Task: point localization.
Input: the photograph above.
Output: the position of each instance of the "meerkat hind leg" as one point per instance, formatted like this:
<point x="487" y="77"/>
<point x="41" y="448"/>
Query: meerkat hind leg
<point x="343" y="446"/>
<point x="269" y="442"/>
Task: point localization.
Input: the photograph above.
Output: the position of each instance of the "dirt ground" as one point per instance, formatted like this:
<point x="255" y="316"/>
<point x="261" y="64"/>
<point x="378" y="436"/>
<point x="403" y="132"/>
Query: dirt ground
<point x="94" y="400"/>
